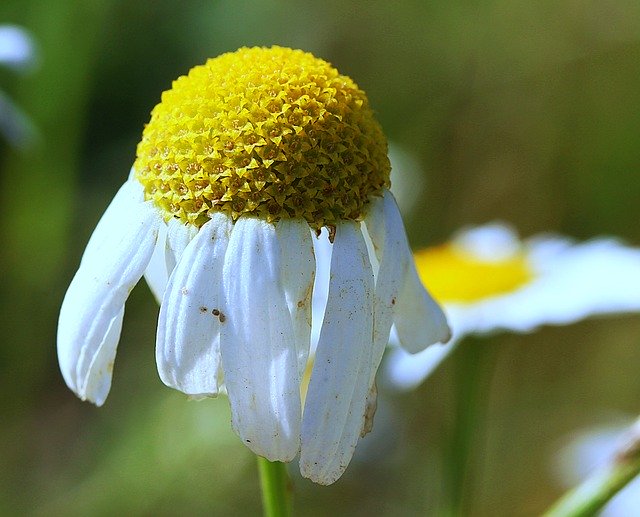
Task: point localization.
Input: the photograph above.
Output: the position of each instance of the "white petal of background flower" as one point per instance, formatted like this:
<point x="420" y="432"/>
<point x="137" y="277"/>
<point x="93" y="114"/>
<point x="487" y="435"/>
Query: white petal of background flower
<point x="408" y="178"/>
<point x="16" y="46"/>
<point x="298" y="274"/>
<point x="405" y="371"/>
<point x="259" y="354"/>
<point x="188" y="339"/>
<point x="570" y="282"/>
<point x="336" y="400"/>
<point x="589" y="450"/>
<point x="491" y="242"/>
<point x="91" y="313"/>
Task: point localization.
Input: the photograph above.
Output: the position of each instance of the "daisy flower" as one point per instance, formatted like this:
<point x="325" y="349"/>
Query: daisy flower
<point x="488" y="280"/>
<point x="17" y="51"/>
<point x="247" y="162"/>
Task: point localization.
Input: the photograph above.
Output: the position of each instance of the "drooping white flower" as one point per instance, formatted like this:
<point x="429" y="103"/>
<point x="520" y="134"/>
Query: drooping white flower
<point x="248" y="163"/>
<point x="488" y="280"/>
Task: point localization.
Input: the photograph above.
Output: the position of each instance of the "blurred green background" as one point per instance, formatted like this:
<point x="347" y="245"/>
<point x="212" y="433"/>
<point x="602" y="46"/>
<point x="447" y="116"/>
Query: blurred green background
<point x="523" y="111"/>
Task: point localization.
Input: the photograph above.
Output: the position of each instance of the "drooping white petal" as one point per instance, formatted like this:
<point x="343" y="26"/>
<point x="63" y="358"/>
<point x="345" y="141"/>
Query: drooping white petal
<point x="298" y="273"/>
<point x="116" y="217"/>
<point x="91" y="313"/>
<point x="101" y="368"/>
<point x="419" y="320"/>
<point x="257" y="343"/>
<point x="387" y="241"/>
<point x="156" y="273"/>
<point x="192" y="310"/>
<point x="179" y="235"/>
<point x="322" y="250"/>
<point x="336" y="403"/>
<point x="173" y="238"/>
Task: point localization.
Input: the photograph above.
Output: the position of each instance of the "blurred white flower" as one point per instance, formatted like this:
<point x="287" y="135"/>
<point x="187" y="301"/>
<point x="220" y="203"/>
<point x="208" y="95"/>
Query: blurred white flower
<point x="592" y="450"/>
<point x="488" y="280"/>
<point x="16" y="47"/>
<point x="408" y="178"/>
<point x="17" y="51"/>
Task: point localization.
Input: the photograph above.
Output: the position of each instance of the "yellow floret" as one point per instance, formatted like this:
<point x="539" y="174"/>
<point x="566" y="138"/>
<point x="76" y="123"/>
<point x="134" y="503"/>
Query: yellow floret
<point x="456" y="276"/>
<point x="272" y="132"/>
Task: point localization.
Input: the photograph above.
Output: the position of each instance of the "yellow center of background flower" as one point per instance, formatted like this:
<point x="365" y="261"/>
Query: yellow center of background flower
<point x="454" y="275"/>
<point x="271" y="132"/>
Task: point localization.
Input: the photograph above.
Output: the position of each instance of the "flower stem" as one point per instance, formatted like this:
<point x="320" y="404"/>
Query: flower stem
<point x="276" y="488"/>
<point x="589" y="497"/>
<point x="473" y="368"/>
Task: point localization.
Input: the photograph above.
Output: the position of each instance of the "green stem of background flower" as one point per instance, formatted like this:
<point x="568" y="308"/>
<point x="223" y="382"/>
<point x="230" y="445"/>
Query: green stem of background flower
<point x="473" y="365"/>
<point x="589" y="497"/>
<point x="276" y="488"/>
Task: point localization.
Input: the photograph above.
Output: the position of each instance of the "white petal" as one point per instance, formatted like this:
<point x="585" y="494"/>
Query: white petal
<point x="116" y="217"/>
<point x="493" y="242"/>
<point x="387" y="241"/>
<point x="322" y="250"/>
<point x="91" y="313"/>
<point x="98" y="381"/>
<point x="259" y="354"/>
<point x="156" y="273"/>
<point x="571" y="282"/>
<point x="298" y="273"/>
<point x="405" y="371"/>
<point x="419" y="320"/>
<point x="16" y="46"/>
<point x="188" y="340"/>
<point x="179" y="235"/>
<point x="335" y="407"/>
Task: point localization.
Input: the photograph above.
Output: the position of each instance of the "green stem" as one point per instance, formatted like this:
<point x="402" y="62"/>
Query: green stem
<point x="472" y="373"/>
<point x="589" y="497"/>
<point x="276" y="488"/>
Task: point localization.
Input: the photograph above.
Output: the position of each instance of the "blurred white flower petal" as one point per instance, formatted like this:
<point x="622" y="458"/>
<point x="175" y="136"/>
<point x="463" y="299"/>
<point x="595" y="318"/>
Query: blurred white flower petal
<point x="17" y="51"/>
<point x="17" y="48"/>
<point x="590" y="450"/>
<point x="488" y="280"/>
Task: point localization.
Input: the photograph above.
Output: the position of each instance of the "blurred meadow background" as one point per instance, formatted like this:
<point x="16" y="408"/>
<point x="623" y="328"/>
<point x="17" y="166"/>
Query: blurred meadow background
<point x="527" y="112"/>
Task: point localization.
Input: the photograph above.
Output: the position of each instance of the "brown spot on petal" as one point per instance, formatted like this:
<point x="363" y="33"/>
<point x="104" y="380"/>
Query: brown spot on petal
<point x="220" y="315"/>
<point x="332" y="233"/>
<point x="369" y="411"/>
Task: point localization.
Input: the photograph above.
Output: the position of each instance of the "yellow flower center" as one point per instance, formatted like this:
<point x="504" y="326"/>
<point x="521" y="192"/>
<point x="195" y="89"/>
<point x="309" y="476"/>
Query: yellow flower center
<point x="454" y="275"/>
<point x="271" y="132"/>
